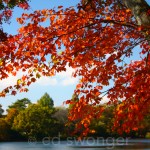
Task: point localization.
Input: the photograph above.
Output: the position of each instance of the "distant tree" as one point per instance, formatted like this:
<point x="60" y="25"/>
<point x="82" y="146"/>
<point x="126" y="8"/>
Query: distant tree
<point x="7" y="133"/>
<point x="145" y="127"/>
<point x="11" y="114"/>
<point x="61" y="115"/>
<point x="4" y="130"/>
<point x="74" y="99"/>
<point x="20" y="104"/>
<point x="103" y="126"/>
<point x="14" y="109"/>
<point x="1" y="110"/>
<point x="35" y="121"/>
<point x="46" y="101"/>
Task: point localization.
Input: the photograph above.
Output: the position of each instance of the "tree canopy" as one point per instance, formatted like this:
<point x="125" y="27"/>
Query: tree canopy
<point x="35" y="121"/>
<point x="46" y="101"/>
<point x="96" y="38"/>
<point x="20" y="104"/>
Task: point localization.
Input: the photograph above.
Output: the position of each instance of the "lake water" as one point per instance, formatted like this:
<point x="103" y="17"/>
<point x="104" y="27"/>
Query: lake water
<point x="75" y="145"/>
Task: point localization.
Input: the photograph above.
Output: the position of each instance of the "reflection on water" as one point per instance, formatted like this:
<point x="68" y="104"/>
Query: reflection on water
<point x="65" y="145"/>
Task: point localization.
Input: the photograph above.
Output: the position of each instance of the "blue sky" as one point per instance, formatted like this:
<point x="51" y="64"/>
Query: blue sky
<point x="60" y="87"/>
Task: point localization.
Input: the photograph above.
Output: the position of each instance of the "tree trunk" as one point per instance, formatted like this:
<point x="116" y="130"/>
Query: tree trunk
<point x="139" y="9"/>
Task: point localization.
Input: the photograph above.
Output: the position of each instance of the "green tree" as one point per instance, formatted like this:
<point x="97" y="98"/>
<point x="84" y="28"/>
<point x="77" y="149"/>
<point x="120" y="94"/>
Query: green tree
<point x="46" y="101"/>
<point x="14" y="109"/>
<point x="20" y="104"/>
<point x="1" y="110"/>
<point x="11" y="114"/>
<point x="35" y="121"/>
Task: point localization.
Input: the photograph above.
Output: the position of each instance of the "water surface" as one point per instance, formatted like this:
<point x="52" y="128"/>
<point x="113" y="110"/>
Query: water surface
<point x="75" y="145"/>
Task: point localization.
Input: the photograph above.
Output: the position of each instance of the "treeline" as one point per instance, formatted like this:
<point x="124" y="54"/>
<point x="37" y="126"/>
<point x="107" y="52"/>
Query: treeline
<point x="25" y="119"/>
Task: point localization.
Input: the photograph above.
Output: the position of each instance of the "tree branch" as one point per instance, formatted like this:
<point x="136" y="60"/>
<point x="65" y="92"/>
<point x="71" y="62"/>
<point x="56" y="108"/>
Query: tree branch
<point x="139" y="9"/>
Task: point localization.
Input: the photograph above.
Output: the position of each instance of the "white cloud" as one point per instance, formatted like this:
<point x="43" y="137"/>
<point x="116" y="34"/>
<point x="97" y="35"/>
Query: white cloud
<point x="67" y="73"/>
<point x="69" y="81"/>
<point x="66" y="77"/>
<point x="63" y="78"/>
<point x="108" y="55"/>
<point x="105" y="99"/>
<point x="11" y="80"/>
<point x="45" y="81"/>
